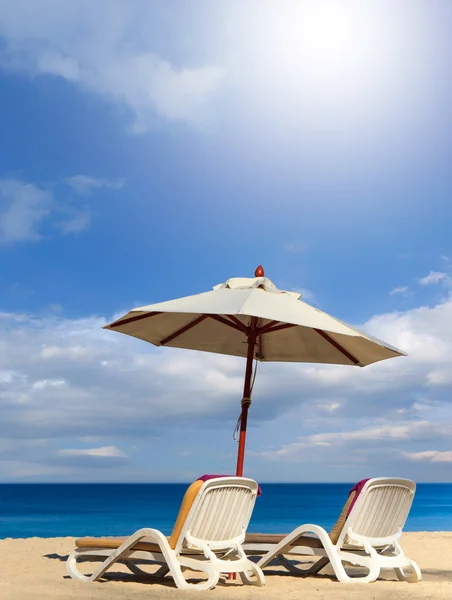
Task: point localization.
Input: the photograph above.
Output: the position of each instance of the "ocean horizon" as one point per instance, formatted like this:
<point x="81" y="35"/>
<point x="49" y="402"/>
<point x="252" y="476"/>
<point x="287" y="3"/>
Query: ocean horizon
<point x="103" y="509"/>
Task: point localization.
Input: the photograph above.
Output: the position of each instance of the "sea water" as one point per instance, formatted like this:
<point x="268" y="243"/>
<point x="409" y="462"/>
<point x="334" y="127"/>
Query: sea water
<point x="54" y="510"/>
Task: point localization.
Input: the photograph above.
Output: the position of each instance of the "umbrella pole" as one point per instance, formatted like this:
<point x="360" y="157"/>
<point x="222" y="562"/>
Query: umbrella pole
<point x="246" y="401"/>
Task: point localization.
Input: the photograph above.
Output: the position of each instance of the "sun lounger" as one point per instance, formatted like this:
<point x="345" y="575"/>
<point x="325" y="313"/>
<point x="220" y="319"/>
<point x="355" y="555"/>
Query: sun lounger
<point x="366" y="534"/>
<point x="207" y="537"/>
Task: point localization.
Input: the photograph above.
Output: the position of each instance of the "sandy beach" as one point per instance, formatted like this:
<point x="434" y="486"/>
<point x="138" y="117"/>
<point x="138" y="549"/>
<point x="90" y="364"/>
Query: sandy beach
<point x="35" y="568"/>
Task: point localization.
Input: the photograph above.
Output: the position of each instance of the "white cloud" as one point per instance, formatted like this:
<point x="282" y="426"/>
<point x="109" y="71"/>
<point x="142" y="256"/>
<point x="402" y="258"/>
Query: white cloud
<point x="435" y="277"/>
<point x="30" y="212"/>
<point x="330" y="407"/>
<point x="80" y="221"/>
<point x="102" y="452"/>
<point x="402" y="290"/>
<point x="306" y="294"/>
<point x="439" y="377"/>
<point x="45" y="383"/>
<point x="294" y="248"/>
<point x="74" y="459"/>
<point x="411" y="430"/>
<point x="84" y="184"/>
<point x="431" y="456"/>
<point x="62" y="66"/>
<point x="23" y="209"/>
<point x="381" y="436"/>
<point x="107" y="48"/>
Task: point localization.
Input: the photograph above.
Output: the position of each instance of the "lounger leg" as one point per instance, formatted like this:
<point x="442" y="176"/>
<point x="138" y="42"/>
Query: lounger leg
<point x="213" y="574"/>
<point x="368" y="562"/>
<point x="71" y="566"/>
<point x="414" y="577"/>
<point x="257" y="577"/>
<point x="396" y="551"/>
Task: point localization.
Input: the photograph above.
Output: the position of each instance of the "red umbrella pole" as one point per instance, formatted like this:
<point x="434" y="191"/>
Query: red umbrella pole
<point x="246" y="401"/>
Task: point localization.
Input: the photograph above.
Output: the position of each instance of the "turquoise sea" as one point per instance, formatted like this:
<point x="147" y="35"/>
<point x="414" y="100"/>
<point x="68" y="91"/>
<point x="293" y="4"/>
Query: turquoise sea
<point x="51" y="510"/>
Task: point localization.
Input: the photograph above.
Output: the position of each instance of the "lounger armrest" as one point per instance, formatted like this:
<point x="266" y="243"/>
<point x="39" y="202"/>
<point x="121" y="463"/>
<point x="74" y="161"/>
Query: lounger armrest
<point x="154" y="534"/>
<point x="291" y="539"/>
<point x="320" y="532"/>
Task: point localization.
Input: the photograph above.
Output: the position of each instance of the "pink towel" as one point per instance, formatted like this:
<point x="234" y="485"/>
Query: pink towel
<point x="358" y="489"/>
<point x="207" y="477"/>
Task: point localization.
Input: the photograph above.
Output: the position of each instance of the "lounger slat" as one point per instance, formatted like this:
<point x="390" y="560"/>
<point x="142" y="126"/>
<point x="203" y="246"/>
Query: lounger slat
<point x="384" y="511"/>
<point x="222" y="520"/>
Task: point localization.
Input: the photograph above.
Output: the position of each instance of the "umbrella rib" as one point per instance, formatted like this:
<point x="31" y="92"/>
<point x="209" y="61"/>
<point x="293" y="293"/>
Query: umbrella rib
<point x="277" y="328"/>
<point x="265" y="328"/>
<point x="132" y="319"/>
<point x="242" y="328"/>
<point x="182" y="330"/>
<point x="341" y="349"/>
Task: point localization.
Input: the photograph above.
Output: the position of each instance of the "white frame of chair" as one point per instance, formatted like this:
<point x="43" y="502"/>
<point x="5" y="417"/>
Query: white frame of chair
<point x="369" y="538"/>
<point x="210" y="540"/>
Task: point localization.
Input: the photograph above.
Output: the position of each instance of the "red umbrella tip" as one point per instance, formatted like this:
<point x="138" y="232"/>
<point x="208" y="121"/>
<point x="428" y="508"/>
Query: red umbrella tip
<point x="259" y="272"/>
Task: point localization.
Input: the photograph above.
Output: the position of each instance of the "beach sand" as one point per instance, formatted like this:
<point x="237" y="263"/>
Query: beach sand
<point x="35" y="569"/>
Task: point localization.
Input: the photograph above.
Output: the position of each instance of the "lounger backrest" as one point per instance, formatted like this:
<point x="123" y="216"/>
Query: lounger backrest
<point x="219" y="514"/>
<point x="380" y="512"/>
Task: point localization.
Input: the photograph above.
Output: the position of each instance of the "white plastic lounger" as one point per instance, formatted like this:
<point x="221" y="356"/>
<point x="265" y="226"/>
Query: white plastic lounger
<point x="367" y="536"/>
<point x="207" y="537"/>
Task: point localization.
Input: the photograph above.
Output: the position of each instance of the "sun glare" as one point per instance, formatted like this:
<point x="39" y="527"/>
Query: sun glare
<point x="326" y="36"/>
<point x="321" y="64"/>
<point x="323" y="40"/>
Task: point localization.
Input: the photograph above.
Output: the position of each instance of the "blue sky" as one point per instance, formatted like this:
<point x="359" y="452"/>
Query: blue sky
<point x="150" y="151"/>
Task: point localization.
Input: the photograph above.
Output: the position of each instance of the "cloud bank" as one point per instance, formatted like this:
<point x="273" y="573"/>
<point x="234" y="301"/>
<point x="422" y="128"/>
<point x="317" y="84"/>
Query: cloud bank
<point x="66" y="383"/>
<point x="107" y="48"/>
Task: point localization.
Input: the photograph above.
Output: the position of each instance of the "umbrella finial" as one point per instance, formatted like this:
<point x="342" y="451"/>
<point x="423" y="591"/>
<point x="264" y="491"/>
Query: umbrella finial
<point x="259" y="272"/>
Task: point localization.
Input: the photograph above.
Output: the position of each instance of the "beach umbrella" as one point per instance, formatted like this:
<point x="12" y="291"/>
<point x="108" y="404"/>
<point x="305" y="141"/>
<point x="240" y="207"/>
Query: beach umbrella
<point x="251" y="317"/>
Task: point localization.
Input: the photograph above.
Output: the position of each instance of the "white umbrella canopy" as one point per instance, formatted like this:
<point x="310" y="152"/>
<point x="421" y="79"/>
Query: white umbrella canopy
<point x="251" y="317"/>
<point x="289" y="330"/>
